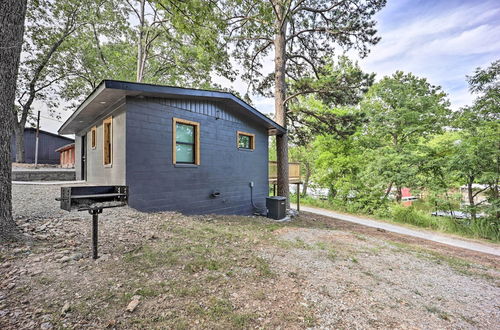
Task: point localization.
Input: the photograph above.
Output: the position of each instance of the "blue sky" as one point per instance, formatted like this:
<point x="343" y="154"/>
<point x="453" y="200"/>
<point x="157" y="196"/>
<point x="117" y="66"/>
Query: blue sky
<point x="441" y="40"/>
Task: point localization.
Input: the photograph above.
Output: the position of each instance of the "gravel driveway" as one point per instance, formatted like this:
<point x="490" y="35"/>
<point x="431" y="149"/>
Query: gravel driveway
<point x="358" y="282"/>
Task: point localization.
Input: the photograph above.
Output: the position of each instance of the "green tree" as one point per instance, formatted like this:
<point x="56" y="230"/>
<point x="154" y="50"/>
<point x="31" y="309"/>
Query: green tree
<point x="71" y="46"/>
<point x="435" y="172"/>
<point x="166" y="42"/>
<point x="340" y="83"/>
<point x="299" y="35"/>
<point x="338" y="164"/>
<point x="401" y="110"/>
<point x="477" y="159"/>
<point x="48" y="25"/>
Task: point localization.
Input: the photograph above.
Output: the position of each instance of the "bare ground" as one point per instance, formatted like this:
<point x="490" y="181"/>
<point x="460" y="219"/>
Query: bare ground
<point x="234" y="272"/>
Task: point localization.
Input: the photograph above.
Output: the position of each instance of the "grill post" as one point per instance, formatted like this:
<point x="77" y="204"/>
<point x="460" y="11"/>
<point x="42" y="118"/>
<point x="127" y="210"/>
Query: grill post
<point x="95" y="230"/>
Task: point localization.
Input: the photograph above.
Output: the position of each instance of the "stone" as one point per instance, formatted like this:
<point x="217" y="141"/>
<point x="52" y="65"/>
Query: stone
<point x="111" y="324"/>
<point x="36" y="272"/>
<point x="103" y="258"/>
<point x="64" y="259"/>
<point x="76" y="256"/>
<point x="66" y="308"/>
<point x="46" y="326"/>
<point x="132" y="305"/>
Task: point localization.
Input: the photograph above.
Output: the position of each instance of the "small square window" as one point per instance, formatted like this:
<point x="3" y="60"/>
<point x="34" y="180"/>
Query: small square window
<point x="245" y="141"/>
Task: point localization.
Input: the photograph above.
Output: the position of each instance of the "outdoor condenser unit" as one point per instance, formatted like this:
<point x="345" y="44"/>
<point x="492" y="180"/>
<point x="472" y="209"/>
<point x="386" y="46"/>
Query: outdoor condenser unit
<point x="276" y="207"/>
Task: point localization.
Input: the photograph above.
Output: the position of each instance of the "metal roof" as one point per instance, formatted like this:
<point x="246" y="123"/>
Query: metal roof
<point x="110" y="92"/>
<point x="48" y="133"/>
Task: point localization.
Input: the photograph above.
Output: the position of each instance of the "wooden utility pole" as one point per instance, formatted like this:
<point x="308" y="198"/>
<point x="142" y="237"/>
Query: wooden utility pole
<point x="36" y="138"/>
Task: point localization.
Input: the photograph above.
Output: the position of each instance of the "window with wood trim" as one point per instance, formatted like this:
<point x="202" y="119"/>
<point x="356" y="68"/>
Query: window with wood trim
<point x="245" y="141"/>
<point x="107" y="127"/>
<point x="93" y="137"/>
<point x="186" y="142"/>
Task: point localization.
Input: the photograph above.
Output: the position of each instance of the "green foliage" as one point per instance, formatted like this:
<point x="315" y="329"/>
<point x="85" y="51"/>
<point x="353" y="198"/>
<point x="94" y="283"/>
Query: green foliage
<point x="410" y="138"/>
<point x="72" y="45"/>
<point x="403" y="111"/>
<point x="323" y="99"/>
<point x="476" y="159"/>
<point x="312" y="29"/>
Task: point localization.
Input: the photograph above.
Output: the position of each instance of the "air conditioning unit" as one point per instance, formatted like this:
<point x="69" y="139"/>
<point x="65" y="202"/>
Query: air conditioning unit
<point x="276" y="207"/>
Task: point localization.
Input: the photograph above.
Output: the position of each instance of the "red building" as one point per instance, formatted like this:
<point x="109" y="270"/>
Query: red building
<point x="67" y="155"/>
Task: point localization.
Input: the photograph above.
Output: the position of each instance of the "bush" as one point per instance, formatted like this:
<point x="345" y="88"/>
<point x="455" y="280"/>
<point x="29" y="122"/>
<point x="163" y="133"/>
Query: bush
<point x="481" y="228"/>
<point x="413" y="216"/>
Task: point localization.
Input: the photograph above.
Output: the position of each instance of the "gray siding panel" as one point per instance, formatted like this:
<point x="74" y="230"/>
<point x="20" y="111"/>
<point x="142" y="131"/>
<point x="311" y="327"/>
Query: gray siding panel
<point x="156" y="184"/>
<point x="78" y="157"/>
<point x="97" y="173"/>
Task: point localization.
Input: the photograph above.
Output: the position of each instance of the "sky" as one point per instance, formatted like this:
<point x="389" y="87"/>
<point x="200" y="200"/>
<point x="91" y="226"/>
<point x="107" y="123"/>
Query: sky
<point x="441" y="40"/>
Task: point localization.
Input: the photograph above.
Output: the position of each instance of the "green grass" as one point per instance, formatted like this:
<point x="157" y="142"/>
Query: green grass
<point x="419" y="217"/>
<point x="443" y="315"/>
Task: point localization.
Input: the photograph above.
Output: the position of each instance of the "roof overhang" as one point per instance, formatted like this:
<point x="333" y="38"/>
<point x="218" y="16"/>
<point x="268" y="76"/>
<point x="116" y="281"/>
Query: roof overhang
<point x="110" y="92"/>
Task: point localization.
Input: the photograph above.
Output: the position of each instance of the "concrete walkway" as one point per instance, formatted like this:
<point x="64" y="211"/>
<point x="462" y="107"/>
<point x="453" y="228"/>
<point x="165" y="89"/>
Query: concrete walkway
<point x="428" y="235"/>
<point x="49" y="182"/>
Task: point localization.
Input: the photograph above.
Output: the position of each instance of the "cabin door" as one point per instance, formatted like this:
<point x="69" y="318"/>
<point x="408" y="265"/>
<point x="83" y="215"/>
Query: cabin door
<point x="84" y="157"/>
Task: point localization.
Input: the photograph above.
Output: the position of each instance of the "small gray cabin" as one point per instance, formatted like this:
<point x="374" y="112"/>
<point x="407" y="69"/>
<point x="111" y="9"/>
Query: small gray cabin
<point x="47" y="145"/>
<point x="187" y="150"/>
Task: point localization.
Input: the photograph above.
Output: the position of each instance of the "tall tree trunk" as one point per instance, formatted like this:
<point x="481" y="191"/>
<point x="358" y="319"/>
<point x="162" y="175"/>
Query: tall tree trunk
<point x="279" y="103"/>
<point x="470" y="195"/>
<point x="19" y="135"/>
<point x="140" y="42"/>
<point x="399" y="193"/>
<point x="306" y="179"/>
<point x="12" y="14"/>
<point x="388" y="191"/>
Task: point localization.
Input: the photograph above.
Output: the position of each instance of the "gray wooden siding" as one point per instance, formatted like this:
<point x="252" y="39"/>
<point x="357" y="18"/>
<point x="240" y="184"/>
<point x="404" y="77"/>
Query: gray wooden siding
<point x="208" y="108"/>
<point x="157" y="184"/>
<point x="97" y="173"/>
<point x="78" y="157"/>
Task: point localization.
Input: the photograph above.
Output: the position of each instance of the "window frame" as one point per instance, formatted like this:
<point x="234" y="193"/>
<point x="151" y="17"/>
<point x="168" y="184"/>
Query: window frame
<point x="105" y="122"/>
<point x="252" y="140"/>
<point x="93" y="137"/>
<point x="196" y="125"/>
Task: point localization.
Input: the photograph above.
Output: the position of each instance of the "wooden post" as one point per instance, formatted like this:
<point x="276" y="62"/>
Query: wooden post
<point x="36" y="138"/>
<point x="95" y="219"/>
<point x="298" y="197"/>
<point x="274" y="189"/>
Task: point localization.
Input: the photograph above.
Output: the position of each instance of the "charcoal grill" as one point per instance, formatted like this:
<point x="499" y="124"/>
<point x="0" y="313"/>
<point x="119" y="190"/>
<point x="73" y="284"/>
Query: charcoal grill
<point x="93" y="199"/>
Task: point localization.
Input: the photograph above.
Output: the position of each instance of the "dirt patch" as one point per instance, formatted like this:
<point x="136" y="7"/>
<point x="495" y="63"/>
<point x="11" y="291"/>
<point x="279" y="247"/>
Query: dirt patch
<point x="318" y="221"/>
<point x="359" y="281"/>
